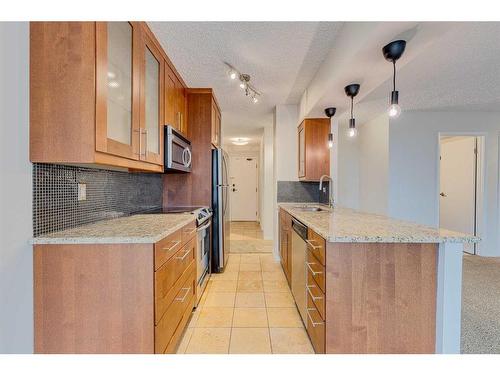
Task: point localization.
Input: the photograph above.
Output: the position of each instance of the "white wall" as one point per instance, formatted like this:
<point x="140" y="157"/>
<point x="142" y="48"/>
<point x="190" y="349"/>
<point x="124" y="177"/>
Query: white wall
<point x="16" y="266"/>
<point x="373" y="146"/>
<point x="413" y="169"/>
<point x="346" y="166"/>
<point x="286" y="122"/>
<point x="268" y="183"/>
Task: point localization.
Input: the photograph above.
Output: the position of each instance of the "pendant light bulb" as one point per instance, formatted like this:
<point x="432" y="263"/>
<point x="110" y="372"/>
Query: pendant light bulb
<point x="352" y="132"/>
<point x="330" y="140"/>
<point x="394" y="111"/>
<point x="232" y="74"/>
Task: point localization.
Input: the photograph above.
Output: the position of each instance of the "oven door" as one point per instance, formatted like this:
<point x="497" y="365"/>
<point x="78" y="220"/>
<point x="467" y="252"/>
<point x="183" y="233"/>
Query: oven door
<point x="178" y="155"/>
<point x="203" y="250"/>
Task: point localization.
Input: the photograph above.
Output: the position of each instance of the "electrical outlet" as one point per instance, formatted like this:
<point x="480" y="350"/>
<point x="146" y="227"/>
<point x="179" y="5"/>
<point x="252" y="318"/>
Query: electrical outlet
<point x="82" y="192"/>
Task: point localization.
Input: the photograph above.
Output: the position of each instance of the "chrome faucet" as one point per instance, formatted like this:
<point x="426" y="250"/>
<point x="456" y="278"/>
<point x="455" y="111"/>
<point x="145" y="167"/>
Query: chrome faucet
<point x="330" y="189"/>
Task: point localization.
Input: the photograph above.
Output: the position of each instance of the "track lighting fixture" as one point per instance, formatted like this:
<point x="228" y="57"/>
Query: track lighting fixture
<point x="351" y="91"/>
<point x="392" y="52"/>
<point x="330" y="111"/>
<point x="245" y="85"/>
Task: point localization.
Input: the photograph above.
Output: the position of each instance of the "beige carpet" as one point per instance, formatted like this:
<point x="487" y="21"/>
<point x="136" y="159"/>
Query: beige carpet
<point x="246" y="237"/>
<point x="481" y="305"/>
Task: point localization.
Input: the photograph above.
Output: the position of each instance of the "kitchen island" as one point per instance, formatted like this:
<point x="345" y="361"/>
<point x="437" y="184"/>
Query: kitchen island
<point x="374" y="284"/>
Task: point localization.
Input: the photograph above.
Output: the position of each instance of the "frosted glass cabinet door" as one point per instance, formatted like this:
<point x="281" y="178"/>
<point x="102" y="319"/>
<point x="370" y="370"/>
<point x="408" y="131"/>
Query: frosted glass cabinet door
<point x="119" y="82"/>
<point x="152" y="102"/>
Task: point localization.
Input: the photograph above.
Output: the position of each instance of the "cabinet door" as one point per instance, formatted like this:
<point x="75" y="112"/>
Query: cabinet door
<point x="216" y="122"/>
<point x="117" y="88"/>
<point x="302" y="150"/>
<point x="152" y="91"/>
<point x="181" y="106"/>
<point x="171" y="111"/>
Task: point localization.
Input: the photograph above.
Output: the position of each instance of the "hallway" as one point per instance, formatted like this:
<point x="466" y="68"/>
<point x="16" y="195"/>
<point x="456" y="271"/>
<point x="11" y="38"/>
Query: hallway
<point x="247" y="237"/>
<point x="248" y="309"/>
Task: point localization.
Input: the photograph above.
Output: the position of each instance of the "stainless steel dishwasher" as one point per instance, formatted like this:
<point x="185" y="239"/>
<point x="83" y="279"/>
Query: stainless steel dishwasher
<point x="299" y="248"/>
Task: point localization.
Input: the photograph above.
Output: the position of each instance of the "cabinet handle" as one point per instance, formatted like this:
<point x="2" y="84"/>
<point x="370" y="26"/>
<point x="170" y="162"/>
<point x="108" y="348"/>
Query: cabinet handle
<point x="145" y="142"/>
<point x="314" y="247"/>
<point x="175" y="244"/>
<point x="308" y="288"/>
<point x="313" y="271"/>
<point x="189" y="232"/>
<point x="311" y="319"/>
<point x="140" y="142"/>
<point x="185" y="255"/>
<point x="185" y="295"/>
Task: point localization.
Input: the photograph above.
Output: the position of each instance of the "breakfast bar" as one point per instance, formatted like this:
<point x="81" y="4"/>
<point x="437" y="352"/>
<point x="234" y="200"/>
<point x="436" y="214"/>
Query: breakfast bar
<point x="373" y="284"/>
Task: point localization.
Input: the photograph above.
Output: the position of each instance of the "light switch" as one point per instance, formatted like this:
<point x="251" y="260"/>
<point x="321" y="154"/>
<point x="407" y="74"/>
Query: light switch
<point x="82" y="192"/>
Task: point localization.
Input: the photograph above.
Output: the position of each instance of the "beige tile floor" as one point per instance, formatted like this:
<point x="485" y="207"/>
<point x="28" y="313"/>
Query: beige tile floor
<point x="246" y="237"/>
<point x="248" y="309"/>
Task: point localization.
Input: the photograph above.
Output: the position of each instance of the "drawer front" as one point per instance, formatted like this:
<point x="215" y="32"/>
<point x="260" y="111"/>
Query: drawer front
<point x="176" y="337"/>
<point x="166" y="278"/>
<point x="169" y="323"/>
<point x="315" y="270"/>
<point x="188" y="232"/>
<point x="316" y="244"/>
<point x="315" y="327"/>
<point x="166" y="248"/>
<point x="316" y="295"/>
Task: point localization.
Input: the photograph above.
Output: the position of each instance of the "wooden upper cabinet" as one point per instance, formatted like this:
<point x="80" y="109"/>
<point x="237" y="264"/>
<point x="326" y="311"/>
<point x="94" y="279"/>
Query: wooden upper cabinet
<point x="99" y="95"/>
<point x="118" y="89"/>
<point x="175" y="101"/>
<point x="152" y="101"/>
<point x="216" y="124"/>
<point x="314" y="154"/>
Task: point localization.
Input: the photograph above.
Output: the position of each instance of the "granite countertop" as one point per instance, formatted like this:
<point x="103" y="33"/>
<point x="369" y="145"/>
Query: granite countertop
<point x="146" y="228"/>
<point x="347" y="225"/>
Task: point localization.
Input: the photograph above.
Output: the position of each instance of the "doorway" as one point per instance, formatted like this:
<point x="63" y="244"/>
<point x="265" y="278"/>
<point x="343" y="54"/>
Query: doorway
<point x="243" y="181"/>
<point x="460" y="184"/>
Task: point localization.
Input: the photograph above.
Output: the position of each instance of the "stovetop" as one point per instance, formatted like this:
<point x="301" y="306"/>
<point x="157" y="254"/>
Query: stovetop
<point x="202" y="213"/>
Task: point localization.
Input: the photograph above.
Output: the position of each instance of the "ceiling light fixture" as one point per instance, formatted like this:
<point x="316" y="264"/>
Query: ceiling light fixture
<point x="392" y="52"/>
<point x="330" y="111"/>
<point x="240" y="141"/>
<point x="245" y="84"/>
<point x="351" y="91"/>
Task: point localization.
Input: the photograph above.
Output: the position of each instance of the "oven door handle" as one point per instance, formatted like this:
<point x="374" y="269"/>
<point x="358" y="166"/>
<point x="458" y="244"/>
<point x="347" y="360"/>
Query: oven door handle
<point x="203" y="227"/>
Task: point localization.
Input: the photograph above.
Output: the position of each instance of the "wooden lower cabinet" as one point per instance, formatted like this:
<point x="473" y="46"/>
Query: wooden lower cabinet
<point x="108" y="298"/>
<point x="367" y="297"/>
<point x="285" y="245"/>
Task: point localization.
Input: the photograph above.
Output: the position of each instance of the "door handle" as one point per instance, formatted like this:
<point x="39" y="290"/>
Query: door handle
<point x="235" y="189"/>
<point x="442" y="194"/>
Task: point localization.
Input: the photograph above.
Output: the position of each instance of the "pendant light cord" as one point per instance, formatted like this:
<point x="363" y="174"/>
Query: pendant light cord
<point x="352" y="101"/>
<point x="394" y="76"/>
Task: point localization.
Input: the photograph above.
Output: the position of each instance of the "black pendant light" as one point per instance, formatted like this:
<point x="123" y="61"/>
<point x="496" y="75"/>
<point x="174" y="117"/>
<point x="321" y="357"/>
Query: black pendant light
<point x="330" y="111"/>
<point x="392" y="52"/>
<point x="351" y="91"/>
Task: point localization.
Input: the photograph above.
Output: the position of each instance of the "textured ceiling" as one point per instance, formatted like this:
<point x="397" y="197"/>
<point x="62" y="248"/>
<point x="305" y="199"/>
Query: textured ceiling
<point x="281" y="57"/>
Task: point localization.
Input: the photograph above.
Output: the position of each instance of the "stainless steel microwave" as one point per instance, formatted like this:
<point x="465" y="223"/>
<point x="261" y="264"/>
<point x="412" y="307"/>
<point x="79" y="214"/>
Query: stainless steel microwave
<point x="177" y="153"/>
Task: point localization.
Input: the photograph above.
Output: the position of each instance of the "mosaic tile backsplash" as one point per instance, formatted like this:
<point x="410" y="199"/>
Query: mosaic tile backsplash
<point x="110" y="194"/>
<point x="305" y="192"/>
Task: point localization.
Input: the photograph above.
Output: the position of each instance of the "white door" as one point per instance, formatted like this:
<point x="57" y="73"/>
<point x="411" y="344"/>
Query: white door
<point x="457" y="201"/>
<point x="243" y="188"/>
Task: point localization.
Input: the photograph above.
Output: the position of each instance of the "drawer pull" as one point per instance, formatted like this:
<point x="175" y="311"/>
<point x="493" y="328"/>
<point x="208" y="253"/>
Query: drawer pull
<point x="311" y="319"/>
<point x="308" y="287"/>
<point x="189" y="232"/>
<point x="175" y="244"/>
<point x="185" y="295"/>
<point x="314" y="247"/>
<point x="184" y="256"/>
<point x="313" y="271"/>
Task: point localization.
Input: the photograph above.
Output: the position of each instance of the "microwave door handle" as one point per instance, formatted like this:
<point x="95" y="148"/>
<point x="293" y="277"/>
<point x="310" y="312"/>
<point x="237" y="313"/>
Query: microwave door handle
<point x="184" y="157"/>
<point x="188" y="153"/>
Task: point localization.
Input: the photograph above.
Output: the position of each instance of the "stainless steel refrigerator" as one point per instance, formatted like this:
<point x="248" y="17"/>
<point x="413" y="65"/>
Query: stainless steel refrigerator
<point x="220" y="207"/>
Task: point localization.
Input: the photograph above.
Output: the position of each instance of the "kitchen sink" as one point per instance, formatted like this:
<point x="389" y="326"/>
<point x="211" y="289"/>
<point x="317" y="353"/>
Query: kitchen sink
<point x="311" y="208"/>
